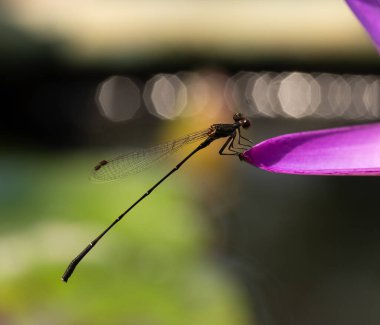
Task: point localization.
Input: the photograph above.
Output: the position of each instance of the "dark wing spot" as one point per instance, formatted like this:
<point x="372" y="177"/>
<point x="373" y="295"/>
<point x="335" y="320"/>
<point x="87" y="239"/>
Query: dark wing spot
<point x="102" y="163"/>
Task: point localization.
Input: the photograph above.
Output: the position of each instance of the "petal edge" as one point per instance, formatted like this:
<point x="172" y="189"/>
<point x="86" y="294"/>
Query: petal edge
<point x="353" y="150"/>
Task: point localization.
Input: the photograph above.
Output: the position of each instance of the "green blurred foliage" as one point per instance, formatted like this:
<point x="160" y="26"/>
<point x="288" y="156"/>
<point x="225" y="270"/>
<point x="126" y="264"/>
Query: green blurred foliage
<point x="152" y="268"/>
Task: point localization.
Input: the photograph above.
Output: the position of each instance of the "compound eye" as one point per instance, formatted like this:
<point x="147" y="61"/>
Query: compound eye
<point x="246" y="124"/>
<point x="237" y="117"/>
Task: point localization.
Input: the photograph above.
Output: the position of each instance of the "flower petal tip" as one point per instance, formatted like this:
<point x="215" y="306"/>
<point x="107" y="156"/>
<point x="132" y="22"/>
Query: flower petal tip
<point x="353" y="150"/>
<point x="368" y="13"/>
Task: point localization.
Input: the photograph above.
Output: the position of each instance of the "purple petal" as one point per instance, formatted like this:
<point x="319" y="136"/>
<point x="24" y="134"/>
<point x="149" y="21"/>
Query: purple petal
<point x="368" y="13"/>
<point x="353" y="150"/>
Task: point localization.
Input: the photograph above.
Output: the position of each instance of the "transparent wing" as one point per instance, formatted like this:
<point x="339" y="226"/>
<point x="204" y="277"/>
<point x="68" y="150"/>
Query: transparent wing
<point x="135" y="162"/>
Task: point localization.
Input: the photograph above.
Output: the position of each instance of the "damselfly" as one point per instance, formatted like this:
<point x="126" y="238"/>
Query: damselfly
<point x="124" y="165"/>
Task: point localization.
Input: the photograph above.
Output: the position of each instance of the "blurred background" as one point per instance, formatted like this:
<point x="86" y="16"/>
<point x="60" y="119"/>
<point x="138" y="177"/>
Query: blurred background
<point x="219" y="242"/>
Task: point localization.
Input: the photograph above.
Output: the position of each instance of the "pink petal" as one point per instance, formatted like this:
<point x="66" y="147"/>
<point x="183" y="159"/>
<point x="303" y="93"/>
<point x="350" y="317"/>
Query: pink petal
<point x="368" y="13"/>
<point x="353" y="150"/>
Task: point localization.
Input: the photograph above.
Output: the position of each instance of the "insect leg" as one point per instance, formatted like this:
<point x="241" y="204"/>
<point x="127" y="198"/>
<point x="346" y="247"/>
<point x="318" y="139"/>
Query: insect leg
<point x="229" y="143"/>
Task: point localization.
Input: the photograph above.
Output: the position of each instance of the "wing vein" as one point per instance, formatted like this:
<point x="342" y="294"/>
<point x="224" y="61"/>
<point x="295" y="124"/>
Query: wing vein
<point x="131" y="163"/>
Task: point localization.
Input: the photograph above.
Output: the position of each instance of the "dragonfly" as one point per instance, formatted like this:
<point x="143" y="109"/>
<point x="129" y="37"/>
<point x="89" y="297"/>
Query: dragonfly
<point x="128" y="164"/>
